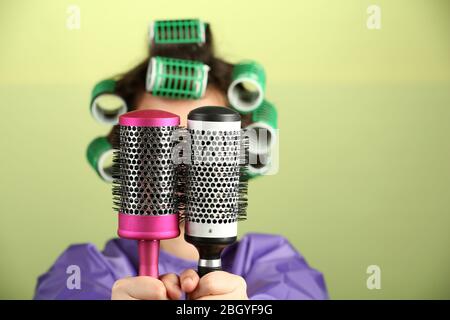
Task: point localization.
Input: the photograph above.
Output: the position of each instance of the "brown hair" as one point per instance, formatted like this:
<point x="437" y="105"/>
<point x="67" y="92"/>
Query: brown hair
<point x="131" y="84"/>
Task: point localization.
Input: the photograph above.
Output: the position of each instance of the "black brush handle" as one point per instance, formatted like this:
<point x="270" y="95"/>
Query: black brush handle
<point x="210" y="250"/>
<point x="210" y="262"/>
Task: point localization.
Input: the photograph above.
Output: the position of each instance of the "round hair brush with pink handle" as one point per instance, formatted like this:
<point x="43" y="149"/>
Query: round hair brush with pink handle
<point x="144" y="183"/>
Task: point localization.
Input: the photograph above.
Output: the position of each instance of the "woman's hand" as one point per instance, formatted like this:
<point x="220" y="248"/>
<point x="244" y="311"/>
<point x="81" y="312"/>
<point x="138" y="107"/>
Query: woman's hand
<point x="147" y="288"/>
<point x="217" y="285"/>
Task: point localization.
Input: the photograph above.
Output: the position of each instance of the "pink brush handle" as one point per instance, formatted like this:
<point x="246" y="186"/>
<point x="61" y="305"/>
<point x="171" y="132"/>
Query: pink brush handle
<point x="148" y="258"/>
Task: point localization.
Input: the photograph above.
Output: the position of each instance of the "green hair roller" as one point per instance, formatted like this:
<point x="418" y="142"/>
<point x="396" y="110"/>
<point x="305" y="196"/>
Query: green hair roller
<point x="106" y="106"/>
<point x="259" y="165"/>
<point x="176" y="78"/>
<point x="99" y="155"/>
<point x="263" y="128"/>
<point x="177" y="31"/>
<point x="247" y="88"/>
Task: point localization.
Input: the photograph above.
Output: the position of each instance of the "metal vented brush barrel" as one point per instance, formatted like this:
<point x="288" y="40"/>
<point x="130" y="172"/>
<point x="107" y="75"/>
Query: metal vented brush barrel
<point x="144" y="183"/>
<point x="213" y="207"/>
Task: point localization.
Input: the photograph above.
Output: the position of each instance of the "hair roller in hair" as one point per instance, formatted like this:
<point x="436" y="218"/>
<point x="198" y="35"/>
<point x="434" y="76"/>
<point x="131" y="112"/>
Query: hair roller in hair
<point x="247" y="89"/>
<point x="99" y="155"/>
<point x="106" y="106"/>
<point x="177" y="31"/>
<point x="176" y="78"/>
<point x="263" y="129"/>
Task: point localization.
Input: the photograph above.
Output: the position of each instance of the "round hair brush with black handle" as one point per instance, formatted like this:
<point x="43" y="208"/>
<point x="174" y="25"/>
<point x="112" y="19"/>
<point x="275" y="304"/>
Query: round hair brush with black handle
<point x="216" y="189"/>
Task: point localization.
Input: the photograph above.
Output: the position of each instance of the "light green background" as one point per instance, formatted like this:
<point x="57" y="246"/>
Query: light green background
<point x="364" y="132"/>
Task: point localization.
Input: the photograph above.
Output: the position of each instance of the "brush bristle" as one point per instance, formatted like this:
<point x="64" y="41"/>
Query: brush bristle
<point x="117" y="181"/>
<point x="181" y="174"/>
<point x="117" y="190"/>
<point x="243" y="178"/>
<point x="114" y="140"/>
<point x="114" y="137"/>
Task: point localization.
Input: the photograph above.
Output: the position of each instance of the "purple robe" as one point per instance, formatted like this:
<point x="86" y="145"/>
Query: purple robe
<point x="270" y="265"/>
